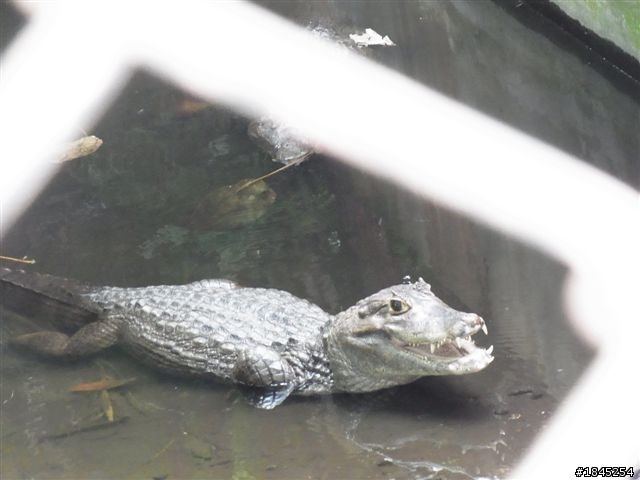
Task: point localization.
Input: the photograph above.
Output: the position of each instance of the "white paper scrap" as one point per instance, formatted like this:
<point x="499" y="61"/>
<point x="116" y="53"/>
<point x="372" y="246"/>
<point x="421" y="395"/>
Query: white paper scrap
<point x="371" y="38"/>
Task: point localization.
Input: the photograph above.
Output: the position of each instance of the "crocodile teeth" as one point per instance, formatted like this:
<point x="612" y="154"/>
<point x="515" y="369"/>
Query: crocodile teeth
<point x="484" y="329"/>
<point x="458" y="342"/>
<point x="490" y="350"/>
<point x="432" y="347"/>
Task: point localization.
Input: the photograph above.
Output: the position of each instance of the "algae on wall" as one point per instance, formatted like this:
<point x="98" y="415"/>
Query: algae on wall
<point x="615" y="20"/>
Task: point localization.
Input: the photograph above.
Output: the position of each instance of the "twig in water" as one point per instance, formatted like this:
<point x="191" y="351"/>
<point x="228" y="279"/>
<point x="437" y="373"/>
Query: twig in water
<point x="90" y="428"/>
<point x="30" y="261"/>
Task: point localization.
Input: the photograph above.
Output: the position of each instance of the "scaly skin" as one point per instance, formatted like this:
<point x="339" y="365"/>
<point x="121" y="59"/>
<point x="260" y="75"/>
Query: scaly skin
<point x="265" y="339"/>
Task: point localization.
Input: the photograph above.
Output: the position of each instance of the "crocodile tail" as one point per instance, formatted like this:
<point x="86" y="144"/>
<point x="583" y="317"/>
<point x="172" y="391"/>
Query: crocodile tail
<point x="46" y="297"/>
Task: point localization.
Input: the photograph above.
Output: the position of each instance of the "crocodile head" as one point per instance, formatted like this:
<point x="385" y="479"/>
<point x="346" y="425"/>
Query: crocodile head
<point x="400" y="334"/>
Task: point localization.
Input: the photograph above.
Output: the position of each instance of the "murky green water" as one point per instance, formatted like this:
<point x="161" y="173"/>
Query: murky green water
<point x="124" y="216"/>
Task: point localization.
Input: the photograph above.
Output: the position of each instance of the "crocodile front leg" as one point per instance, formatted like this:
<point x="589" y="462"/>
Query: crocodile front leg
<point x="88" y="340"/>
<point x="267" y="377"/>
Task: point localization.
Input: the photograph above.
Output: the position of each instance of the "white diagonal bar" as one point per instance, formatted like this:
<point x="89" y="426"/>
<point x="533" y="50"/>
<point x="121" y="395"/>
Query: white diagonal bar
<point x="386" y="124"/>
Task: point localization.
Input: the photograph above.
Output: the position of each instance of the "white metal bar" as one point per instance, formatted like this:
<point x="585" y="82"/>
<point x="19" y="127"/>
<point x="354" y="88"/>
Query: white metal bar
<point x="390" y="126"/>
<point x="56" y="77"/>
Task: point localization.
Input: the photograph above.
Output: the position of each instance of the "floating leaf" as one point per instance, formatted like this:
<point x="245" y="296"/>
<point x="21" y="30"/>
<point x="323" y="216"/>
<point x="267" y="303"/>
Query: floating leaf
<point x="106" y="383"/>
<point x="81" y="148"/>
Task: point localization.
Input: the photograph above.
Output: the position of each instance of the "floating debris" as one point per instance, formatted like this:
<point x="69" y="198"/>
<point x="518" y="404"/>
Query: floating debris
<point x="30" y="261"/>
<point x="89" y="428"/>
<point x="191" y="106"/>
<point x="107" y="406"/>
<point x="270" y="174"/>
<point x="106" y="383"/>
<point x="81" y="148"/>
<point x="371" y="38"/>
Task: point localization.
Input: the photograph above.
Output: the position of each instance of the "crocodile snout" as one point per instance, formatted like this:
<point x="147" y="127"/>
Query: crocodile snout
<point x="469" y="324"/>
<point x="475" y="322"/>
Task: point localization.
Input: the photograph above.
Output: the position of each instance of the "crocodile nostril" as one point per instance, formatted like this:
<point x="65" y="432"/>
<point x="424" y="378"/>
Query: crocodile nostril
<point x="474" y="320"/>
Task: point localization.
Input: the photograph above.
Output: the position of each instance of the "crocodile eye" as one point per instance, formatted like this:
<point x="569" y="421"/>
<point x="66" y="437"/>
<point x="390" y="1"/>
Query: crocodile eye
<point x="398" y="306"/>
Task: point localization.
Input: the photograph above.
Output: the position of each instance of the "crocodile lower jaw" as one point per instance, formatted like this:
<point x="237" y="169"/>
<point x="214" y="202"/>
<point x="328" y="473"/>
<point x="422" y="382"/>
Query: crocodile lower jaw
<point x="447" y="350"/>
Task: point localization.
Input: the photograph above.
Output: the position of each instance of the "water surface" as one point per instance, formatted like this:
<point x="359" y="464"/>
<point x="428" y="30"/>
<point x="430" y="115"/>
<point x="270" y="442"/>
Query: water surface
<point x="332" y="235"/>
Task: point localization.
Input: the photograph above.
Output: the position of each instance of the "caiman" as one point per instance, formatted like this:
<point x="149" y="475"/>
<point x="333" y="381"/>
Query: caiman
<point x="266" y="340"/>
